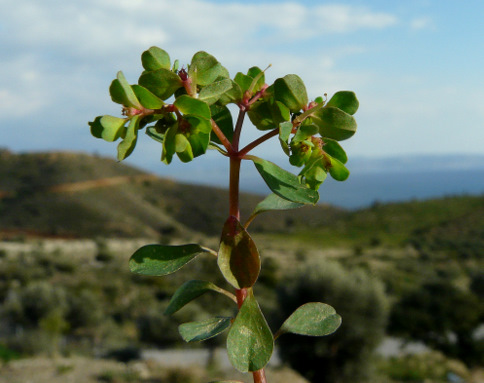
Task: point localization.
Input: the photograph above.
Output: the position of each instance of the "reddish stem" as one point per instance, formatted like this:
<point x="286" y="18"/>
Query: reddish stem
<point x="259" y="376"/>
<point x="257" y="142"/>
<point x="234" y="208"/>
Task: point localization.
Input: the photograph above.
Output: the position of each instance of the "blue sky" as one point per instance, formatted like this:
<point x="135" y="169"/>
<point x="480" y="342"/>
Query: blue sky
<point x="416" y="66"/>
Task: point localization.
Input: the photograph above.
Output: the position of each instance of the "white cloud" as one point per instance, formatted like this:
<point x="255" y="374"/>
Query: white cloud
<point x="58" y="58"/>
<point x="422" y="23"/>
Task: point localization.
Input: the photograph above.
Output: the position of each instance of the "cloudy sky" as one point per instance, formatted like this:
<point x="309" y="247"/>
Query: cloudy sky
<point x="417" y="66"/>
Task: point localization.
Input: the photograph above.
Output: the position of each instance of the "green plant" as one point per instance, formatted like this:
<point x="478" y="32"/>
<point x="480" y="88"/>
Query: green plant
<point x="347" y="355"/>
<point x="185" y="110"/>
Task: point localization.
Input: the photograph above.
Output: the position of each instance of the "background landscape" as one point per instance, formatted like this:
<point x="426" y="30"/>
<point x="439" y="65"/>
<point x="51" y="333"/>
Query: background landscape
<point x="397" y="248"/>
<point x="68" y="298"/>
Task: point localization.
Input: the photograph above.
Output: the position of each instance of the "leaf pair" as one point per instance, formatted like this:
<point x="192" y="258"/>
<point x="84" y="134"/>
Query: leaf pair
<point x="189" y="135"/>
<point x="335" y="120"/>
<point x="135" y="99"/>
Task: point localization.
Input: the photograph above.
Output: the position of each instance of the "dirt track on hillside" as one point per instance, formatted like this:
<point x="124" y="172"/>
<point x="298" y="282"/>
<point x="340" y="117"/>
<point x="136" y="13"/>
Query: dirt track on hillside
<point x="92" y="184"/>
<point x="103" y="182"/>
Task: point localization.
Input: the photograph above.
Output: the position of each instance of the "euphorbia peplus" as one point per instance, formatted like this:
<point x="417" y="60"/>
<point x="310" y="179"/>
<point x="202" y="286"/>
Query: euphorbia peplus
<point x="185" y="110"/>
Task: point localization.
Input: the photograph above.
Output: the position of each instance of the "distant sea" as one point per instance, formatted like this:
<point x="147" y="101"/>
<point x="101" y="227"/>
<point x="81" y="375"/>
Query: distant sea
<point x="371" y="180"/>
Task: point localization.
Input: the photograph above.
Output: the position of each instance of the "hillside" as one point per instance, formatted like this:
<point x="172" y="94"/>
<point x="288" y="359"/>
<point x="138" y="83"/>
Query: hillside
<point x="77" y="195"/>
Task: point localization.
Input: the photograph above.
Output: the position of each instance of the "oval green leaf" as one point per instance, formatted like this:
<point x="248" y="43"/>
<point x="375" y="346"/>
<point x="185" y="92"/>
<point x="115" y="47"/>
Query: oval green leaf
<point x="346" y="101"/>
<point x="338" y="171"/>
<point x="126" y="147"/>
<point x="212" y="92"/>
<point x="314" y="319"/>
<point x="122" y="93"/>
<point x="162" y="82"/>
<point x="274" y="202"/>
<point x="334" y="149"/>
<point x="283" y="183"/>
<point x="96" y="127"/>
<point x="158" y="260"/>
<point x="155" y="58"/>
<point x="113" y="127"/>
<point x="250" y="342"/>
<point x="238" y="257"/>
<point x="146" y="98"/>
<point x="243" y="81"/>
<point x="334" y="123"/>
<point x="192" y="106"/>
<point x="188" y="292"/>
<point x="268" y="114"/>
<point x="291" y="91"/>
<point x="205" y="68"/>
<point x="202" y="330"/>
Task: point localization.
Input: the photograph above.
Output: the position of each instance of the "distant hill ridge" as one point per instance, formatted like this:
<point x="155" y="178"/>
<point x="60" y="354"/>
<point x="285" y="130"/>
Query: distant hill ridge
<point x="67" y="194"/>
<point x="80" y="195"/>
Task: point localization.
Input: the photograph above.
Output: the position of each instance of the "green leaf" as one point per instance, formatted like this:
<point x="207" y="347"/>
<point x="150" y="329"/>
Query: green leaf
<point x="198" y="138"/>
<point x="268" y="114"/>
<point x="223" y="118"/>
<point x="202" y="330"/>
<point x="305" y="131"/>
<point x="334" y="149"/>
<point x="283" y="183"/>
<point x="205" y="68"/>
<point x="183" y="148"/>
<point x="193" y="106"/>
<point x="274" y="202"/>
<point x="122" y="93"/>
<point x="169" y="144"/>
<point x="108" y="128"/>
<point x="155" y="58"/>
<point x="301" y="153"/>
<point x="162" y="82"/>
<point x="285" y="129"/>
<point x="243" y="81"/>
<point x="238" y="257"/>
<point x="234" y="94"/>
<point x="154" y="134"/>
<point x="314" y="173"/>
<point x="113" y="127"/>
<point x="96" y="127"/>
<point x="212" y="92"/>
<point x="314" y="319"/>
<point x="158" y="260"/>
<point x="126" y="147"/>
<point x="146" y="98"/>
<point x="188" y="292"/>
<point x="334" y="123"/>
<point x="345" y="100"/>
<point x="250" y="342"/>
<point x="291" y="91"/>
<point x="256" y="73"/>
<point x="338" y="171"/>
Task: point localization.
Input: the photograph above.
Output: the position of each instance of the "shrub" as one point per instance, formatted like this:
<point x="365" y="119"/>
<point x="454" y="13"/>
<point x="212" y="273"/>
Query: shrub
<point x="443" y="317"/>
<point x="345" y="355"/>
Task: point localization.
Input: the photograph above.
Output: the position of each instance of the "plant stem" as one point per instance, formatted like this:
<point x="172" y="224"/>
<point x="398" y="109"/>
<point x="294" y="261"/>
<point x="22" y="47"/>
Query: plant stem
<point x="259" y="376"/>
<point x="257" y="142"/>
<point x="222" y="137"/>
<point x="238" y="127"/>
<point x="234" y="207"/>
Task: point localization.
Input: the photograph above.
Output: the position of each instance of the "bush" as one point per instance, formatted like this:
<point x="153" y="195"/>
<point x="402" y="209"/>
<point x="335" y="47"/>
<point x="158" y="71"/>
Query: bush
<point x="431" y="366"/>
<point x="443" y="317"/>
<point x="345" y="355"/>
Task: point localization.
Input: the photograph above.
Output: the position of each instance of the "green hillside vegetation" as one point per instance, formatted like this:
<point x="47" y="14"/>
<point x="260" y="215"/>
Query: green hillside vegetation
<point x="147" y="206"/>
<point x="54" y="301"/>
